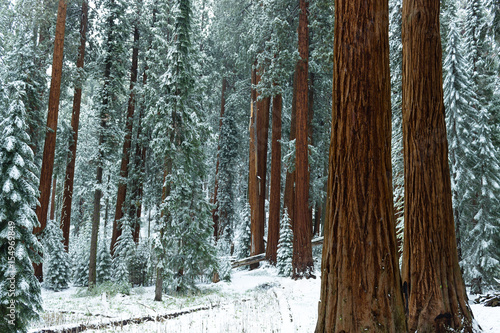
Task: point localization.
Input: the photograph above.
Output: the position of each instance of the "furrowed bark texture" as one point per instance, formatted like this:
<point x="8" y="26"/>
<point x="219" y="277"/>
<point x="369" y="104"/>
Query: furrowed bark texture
<point x="127" y="144"/>
<point x="302" y="261"/>
<point x="50" y="135"/>
<point x="360" y="282"/>
<point x="259" y="125"/>
<point x="436" y="295"/>
<point x="75" y="119"/>
<point x="273" y="228"/>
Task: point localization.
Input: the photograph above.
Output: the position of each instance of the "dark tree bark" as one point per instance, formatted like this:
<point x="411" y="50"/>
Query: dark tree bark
<point x="127" y="144"/>
<point x="215" y="214"/>
<point x="75" y="119"/>
<point x="259" y="125"/>
<point x="302" y="251"/>
<point x="50" y="136"/>
<point x="273" y="228"/>
<point x="435" y="291"/>
<point x="360" y="285"/>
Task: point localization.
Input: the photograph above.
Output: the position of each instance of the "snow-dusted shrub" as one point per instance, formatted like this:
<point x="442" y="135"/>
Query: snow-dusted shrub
<point x="57" y="268"/>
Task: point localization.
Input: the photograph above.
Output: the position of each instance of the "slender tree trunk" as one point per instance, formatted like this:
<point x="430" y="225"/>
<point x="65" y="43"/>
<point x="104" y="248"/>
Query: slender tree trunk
<point x="289" y="196"/>
<point x="273" y="228"/>
<point x="53" y="199"/>
<point x="75" y="119"/>
<point x="259" y="125"/>
<point x="435" y="291"/>
<point x="127" y="143"/>
<point x="360" y="286"/>
<point x="215" y="211"/>
<point x="50" y="136"/>
<point x="302" y="250"/>
<point x="164" y="216"/>
<point x="96" y="214"/>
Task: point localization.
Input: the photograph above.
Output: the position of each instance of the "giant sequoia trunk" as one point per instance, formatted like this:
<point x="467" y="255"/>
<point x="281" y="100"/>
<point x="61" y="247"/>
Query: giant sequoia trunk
<point x="435" y="291"/>
<point x="302" y="261"/>
<point x="75" y="119"/>
<point x="259" y="125"/>
<point x="50" y="135"/>
<point x="360" y="282"/>
<point x="273" y="228"/>
<point x="127" y="144"/>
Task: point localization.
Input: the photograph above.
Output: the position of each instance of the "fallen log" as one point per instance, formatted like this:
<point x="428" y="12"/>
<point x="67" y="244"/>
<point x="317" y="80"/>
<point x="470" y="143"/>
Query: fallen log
<point x="262" y="256"/>
<point x="121" y="322"/>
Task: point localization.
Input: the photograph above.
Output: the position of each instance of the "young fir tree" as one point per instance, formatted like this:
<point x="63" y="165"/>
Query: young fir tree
<point x="104" y="262"/>
<point x="185" y="249"/>
<point x="459" y="99"/>
<point x="57" y="270"/>
<point x="481" y="256"/>
<point x="20" y="297"/>
<point x="124" y="251"/>
<point x="80" y="254"/>
<point x="244" y="235"/>
<point x="285" y="247"/>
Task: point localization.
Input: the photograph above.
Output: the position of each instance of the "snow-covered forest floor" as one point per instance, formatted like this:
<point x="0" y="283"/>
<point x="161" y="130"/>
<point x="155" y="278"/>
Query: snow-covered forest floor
<point x="254" y="302"/>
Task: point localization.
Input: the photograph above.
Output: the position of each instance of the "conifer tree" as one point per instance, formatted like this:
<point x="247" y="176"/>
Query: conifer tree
<point x="243" y="236"/>
<point x="459" y="99"/>
<point x="20" y="297"/>
<point x="104" y="262"/>
<point x="57" y="269"/>
<point x="285" y="247"/>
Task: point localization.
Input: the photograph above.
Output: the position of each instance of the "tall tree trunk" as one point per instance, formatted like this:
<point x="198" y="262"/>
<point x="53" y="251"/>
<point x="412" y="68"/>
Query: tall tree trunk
<point x="436" y="297"/>
<point x="302" y="250"/>
<point x="75" y="119"/>
<point x="360" y="285"/>
<point x="104" y="115"/>
<point x="50" y="136"/>
<point x="289" y="196"/>
<point x="273" y="228"/>
<point x="215" y="211"/>
<point x="127" y="143"/>
<point x="259" y="125"/>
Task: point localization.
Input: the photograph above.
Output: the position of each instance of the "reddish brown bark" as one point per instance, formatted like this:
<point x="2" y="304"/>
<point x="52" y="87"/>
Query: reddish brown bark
<point x="75" y="119"/>
<point x="360" y="285"/>
<point x="273" y="228"/>
<point x="302" y="250"/>
<point x="127" y="143"/>
<point x="50" y="136"/>
<point x="259" y="125"/>
<point x="215" y="211"/>
<point x="435" y="291"/>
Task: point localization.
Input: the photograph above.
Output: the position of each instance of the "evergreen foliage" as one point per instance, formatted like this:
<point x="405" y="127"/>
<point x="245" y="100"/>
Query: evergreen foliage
<point x="80" y="253"/>
<point x="104" y="263"/>
<point x="124" y="251"/>
<point x="58" y="268"/>
<point x="244" y="236"/>
<point x="285" y="247"/>
<point x="20" y="297"/>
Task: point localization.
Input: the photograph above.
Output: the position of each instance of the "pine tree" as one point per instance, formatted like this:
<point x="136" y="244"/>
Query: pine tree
<point x="459" y="99"/>
<point x="80" y="251"/>
<point x="124" y="251"/>
<point x="481" y="256"/>
<point x="57" y="270"/>
<point x="243" y="236"/>
<point x="20" y="297"/>
<point x="285" y="247"/>
<point x="104" y="263"/>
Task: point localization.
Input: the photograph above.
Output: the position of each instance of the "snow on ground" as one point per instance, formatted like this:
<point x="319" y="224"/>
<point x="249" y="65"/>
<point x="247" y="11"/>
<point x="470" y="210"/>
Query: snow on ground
<point x="257" y="301"/>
